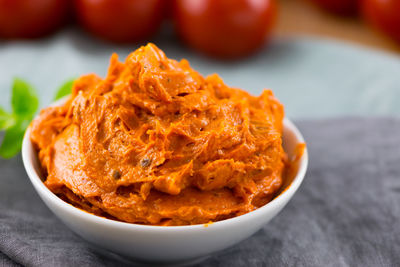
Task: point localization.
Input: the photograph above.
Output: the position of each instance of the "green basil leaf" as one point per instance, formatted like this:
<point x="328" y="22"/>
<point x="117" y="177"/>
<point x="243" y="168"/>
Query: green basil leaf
<point x="12" y="141"/>
<point x="65" y="89"/>
<point x="6" y="119"/>
<point x="24" y="100"/>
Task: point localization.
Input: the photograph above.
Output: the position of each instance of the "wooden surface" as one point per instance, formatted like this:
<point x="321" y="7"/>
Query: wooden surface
<point x="299" y="17"/>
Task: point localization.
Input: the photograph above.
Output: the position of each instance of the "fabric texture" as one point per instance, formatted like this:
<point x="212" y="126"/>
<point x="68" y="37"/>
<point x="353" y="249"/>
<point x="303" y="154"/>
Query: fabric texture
<point x="346" y="212"/>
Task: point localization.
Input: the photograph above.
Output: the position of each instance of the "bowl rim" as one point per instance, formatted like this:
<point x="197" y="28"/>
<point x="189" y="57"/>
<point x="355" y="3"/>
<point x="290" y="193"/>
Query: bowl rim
<point x="28" y="149"/>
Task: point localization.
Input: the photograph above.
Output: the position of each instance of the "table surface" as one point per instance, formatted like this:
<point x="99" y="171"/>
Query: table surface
<point x="299" y="17"/>
<point x="345" y="213"/>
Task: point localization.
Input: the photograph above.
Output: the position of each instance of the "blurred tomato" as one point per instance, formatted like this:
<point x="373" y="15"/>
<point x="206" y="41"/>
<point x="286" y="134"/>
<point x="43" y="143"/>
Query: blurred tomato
<point x="31" y="18"/>
<point x="385" y="15"/>
<point x="120" y="20"/>
<point x="225" y="28"/>
<point x="339" y="7"/>
<point x="169" y="9"/>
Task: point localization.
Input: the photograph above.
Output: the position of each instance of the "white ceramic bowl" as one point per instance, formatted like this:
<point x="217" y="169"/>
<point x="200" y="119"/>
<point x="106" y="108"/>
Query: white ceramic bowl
<point x="170" y="244"/>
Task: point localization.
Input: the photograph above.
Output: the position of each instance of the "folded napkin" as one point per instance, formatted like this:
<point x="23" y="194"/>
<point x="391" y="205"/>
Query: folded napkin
<point x="346" y="213"/>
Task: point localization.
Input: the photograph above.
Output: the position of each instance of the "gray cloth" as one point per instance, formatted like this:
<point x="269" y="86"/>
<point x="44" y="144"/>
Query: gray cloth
<point x="346" y="213"/>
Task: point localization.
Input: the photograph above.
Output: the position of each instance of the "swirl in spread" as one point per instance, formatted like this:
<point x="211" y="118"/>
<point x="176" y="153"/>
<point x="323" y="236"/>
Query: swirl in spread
<point x="156" y="143"/>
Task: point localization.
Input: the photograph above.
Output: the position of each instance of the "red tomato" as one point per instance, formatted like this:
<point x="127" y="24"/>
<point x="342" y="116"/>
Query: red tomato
<point x="120" y="20"/>
<point x="225" y="28"/>
<point x="340" y="7"/>
<point x="385" y="15"/>
<point x="31" y="18"/>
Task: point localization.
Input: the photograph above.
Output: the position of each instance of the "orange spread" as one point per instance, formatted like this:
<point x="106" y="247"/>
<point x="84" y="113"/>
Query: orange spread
<point x="157" y="143"/>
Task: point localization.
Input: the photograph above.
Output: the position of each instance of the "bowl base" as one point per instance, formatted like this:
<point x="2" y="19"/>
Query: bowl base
<point x="145" y="263"/>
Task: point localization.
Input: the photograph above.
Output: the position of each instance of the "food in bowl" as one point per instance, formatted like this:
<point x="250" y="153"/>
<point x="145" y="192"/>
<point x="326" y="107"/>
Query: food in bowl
<point x="156" y="143"/>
